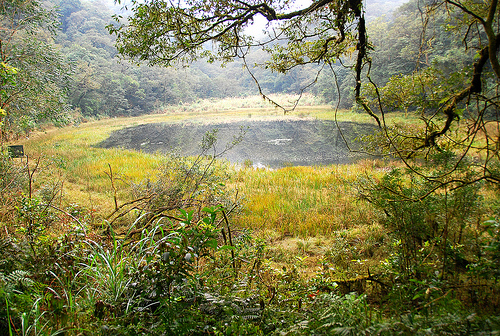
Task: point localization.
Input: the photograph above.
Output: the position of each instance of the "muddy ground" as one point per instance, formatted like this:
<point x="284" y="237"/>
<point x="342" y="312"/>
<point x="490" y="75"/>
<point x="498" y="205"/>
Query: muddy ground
<point x="272" y="144"/>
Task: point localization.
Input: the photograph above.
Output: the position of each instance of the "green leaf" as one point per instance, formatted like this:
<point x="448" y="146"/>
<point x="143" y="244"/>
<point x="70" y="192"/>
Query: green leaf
<point x="226" y="247"/>
<point x="211" y="243"/>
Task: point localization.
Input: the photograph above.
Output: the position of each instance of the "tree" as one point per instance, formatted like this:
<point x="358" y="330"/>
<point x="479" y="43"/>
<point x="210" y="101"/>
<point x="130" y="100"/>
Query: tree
<point x="452" y="89"/>
<point x="165" y="33"/>
<point x="66" y="8"/>
<point x="34" y="75"/>
<point x="328" y="31"/>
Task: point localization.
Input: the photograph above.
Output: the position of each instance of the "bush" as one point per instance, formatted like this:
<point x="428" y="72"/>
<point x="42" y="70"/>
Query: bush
<point x="421" y="212"/>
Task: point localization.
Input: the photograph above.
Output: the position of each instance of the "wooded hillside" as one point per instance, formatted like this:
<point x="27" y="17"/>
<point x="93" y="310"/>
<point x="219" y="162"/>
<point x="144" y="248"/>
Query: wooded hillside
<point x="89" y="80"/>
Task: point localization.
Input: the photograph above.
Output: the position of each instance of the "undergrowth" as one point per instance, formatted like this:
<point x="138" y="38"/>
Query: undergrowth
<point x="202" y="248"/>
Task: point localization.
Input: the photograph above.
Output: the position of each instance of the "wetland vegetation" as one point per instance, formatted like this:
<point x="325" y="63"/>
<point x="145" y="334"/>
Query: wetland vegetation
<point x="167" y="200"/>
<point x="104" y="232"/>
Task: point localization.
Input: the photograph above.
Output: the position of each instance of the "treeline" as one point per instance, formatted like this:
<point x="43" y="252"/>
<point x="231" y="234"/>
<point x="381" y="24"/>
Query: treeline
<point x="402" y="44"/>
<point x="105" y="86"/>
<point x="62" y="65"/>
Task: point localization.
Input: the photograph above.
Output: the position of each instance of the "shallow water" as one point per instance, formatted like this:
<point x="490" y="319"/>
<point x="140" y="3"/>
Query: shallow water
<point x="265" y="143"/>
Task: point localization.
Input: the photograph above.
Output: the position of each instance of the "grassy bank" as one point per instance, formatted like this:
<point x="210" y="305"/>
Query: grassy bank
<point x="84" y="169"/>
<point x="111" y="241"/>
<point x="300" y="210"/>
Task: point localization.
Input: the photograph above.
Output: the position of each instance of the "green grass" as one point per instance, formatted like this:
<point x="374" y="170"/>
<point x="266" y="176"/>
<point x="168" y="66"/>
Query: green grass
<point x="296" y="201"/>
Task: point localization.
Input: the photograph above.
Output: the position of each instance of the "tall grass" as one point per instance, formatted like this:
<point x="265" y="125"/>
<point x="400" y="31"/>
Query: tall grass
<point x="237" y="103"/>
<point x="303" y="201"/>
<point x="318" y="236"/>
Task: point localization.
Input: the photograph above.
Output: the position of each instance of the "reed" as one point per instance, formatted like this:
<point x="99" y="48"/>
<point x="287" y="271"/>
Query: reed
<point x="304" y="201"/>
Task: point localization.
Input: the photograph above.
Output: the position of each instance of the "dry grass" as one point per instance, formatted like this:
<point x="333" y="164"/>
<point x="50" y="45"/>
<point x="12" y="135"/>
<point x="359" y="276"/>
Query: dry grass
<point x="304" y="201"/>
<point x="304" y="208"/>
<point x="83" y="165"/>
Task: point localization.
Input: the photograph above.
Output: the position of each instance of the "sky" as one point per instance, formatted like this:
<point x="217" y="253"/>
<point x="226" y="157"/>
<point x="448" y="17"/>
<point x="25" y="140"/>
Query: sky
<point x="259" y="24"/>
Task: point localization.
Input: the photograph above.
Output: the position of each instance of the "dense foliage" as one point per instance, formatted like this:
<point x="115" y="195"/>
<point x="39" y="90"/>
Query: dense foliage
<point x="34" y="75"/>
<point x="90" y="81"/>
<point x="168" y="260"/>
<point x="104" y="86"/>
<point x="60" y="65"/>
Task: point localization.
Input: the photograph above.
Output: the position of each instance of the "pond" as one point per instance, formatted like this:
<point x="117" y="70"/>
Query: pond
<point x="273" y="144"/>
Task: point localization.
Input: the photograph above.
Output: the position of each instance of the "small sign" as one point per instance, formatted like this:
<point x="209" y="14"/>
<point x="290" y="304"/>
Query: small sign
<point x="16" y="151"/>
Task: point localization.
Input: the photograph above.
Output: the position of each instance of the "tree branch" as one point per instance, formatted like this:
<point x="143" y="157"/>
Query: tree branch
<point x="449" y="110"/>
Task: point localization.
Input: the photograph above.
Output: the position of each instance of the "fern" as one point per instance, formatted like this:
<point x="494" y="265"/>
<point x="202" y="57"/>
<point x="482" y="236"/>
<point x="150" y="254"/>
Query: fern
<point x="17" y="280"/>
<point x="232" y="307"/>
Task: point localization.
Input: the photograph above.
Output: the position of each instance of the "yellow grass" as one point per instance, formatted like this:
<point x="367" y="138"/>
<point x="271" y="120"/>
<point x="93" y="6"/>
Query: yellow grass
<point x="304" y="201"/>
<point x="301" y="200"/>
<point x="302" y="212"/>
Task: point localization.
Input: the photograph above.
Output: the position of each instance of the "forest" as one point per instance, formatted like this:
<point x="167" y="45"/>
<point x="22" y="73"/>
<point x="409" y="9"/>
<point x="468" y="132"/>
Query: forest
<point x="76" y="55"/>
<point x="107" y="228"/>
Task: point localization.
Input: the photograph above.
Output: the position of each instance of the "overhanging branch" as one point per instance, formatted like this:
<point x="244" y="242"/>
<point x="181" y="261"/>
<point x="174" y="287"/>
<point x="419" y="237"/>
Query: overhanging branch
<point x="450" y="109"/>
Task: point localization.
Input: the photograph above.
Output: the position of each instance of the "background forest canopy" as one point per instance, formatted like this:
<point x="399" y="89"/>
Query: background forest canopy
<point x="66" y="66"/>
<point x="60" y="64"/>
<point x="435" y="59"/>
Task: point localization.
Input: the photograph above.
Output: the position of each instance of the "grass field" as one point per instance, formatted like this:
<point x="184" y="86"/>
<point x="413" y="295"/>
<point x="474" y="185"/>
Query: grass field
<point x="301" y="239"/>
<point x="84" y="166"/>
<point x="292" y="205"/>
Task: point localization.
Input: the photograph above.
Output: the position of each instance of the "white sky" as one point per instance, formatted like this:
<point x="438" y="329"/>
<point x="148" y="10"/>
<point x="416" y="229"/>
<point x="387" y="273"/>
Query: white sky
<point x="260" y="22"/>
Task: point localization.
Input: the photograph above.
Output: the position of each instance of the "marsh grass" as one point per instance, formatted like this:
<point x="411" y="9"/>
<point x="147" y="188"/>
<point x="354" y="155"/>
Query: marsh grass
<point x="237" y="103"/>
<point x="308" y="231"/>
<point x="83" y="167"/>
<point x="297" y="201"/>
<point x="304" y="201"/>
